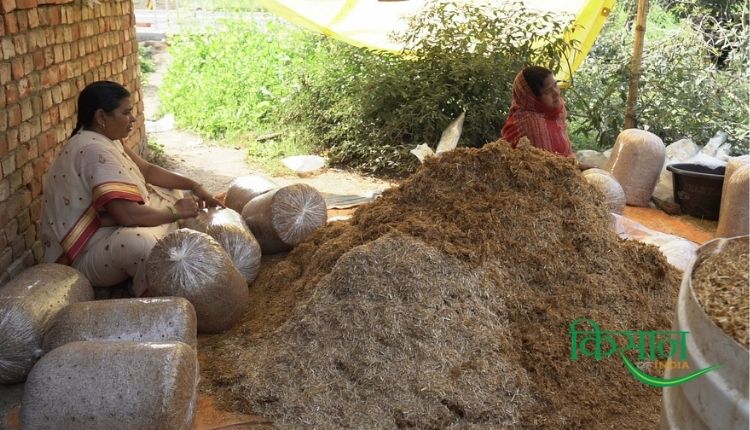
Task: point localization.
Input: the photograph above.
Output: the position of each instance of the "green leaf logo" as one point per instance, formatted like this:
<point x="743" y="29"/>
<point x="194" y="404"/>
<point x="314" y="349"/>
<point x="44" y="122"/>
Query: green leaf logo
<point x="659" y="382"/>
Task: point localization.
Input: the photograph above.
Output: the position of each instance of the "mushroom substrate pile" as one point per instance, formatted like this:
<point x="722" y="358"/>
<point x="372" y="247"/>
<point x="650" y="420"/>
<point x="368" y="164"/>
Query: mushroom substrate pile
<point x="447" y="302"/>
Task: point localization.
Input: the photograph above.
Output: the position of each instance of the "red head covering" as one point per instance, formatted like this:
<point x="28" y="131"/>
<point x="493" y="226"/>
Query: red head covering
<point x="544" y="126"/>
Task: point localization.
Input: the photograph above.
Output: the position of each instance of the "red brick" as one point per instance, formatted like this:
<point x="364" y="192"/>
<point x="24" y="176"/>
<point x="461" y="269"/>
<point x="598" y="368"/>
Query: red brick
<point x="47" y="142"/>
<point x="43" y="16"/>
<point x="49" y="36"/>
<point x="11" y="229"/>
<point x="63" y="72"/>
<point x="46" y="99"/>
<point x="29" y="237"/>
<point x="3" y="146"/>
<point x="18" y="246"/>
<point x="35" y="39"/>
<point x="35" y="209"/>
<point x="16" y="181"/>
<point x="7" y="5"/>
<point x="38" y="57"/>
<point x="14" y="115"/>
<point x="55" y="16"/>
<point x="24" y="134"/>
<point x="36" y="104"/>
<point x="5" y="73"/>
<point x="27" y="173"/>
<point x="33" y="18"/>
<point x="23" y="20"/>
<point x="59" y="34"/>
<point x="24" y="89"/>
<point x="33" y="149"/>
<point x="21" y="44"/>
<point x="49" y="56"/>
<point x="49" y="77"/>
<point x="11" y="23"/>
<point x="8" y="50"/>
<point x="26" y="109"/>
<point x="38" y="166"/>
<point x="4" y="217"/>
<point x="16" y="66"/>
<point x="11" y="93"/>
<point x="28" y="64"/>
<point x="58" y="54"/>
<point x="26" y="4"/>
<point x="57" y="97"/>
<point x="12" y="137"/>
<point x="36" y="187"/>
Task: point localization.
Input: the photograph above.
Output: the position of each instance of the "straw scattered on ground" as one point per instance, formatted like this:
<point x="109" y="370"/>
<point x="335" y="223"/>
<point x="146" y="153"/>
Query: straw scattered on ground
<point x="723" y="288"/>
<point x="446" y="303"/>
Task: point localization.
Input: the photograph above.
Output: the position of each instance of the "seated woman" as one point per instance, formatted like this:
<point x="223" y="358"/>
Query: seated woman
<point x="104" y="207"/>
<point x="538" y="112"/>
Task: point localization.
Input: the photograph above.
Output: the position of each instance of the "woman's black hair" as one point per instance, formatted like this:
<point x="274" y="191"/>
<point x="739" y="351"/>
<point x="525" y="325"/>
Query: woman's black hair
<point x="535" y="77"/>
<point x="104" y="95"/>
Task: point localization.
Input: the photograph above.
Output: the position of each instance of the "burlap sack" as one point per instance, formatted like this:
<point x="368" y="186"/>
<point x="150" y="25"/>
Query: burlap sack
<point x="102" y="385"/>
<point x="734" y="217"/>
<point x="614" y="196"/>
<point x="246" y="188"/>
<point x="158" y="319"/>
<point x="636" y="161"/>
<point x="27" y="304"/>
<point x="284" y="217"/>
<point x="230" y="230"/>
<point x="190" y="264"/>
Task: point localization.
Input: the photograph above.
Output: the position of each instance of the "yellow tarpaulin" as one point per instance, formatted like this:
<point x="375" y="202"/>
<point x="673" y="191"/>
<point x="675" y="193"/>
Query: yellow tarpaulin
<point x="368" y="23"/>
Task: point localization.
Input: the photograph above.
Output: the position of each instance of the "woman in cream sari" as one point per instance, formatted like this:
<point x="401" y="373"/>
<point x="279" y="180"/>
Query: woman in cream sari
<point x="104" y="207"/>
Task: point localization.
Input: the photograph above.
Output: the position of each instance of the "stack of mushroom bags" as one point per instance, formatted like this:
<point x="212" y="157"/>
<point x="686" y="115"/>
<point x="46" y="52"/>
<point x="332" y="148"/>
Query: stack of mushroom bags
<point x="114" y="364"/>
<point x="212" y="260"/>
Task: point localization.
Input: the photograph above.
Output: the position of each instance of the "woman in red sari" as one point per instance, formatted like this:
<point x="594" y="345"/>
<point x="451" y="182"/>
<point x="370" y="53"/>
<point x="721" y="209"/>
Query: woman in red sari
<point x="538" y="112"/>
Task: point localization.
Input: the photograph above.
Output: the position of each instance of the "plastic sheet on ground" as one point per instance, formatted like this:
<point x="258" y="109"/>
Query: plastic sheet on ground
<point x="678" y="251"/>
<point x="304" y="163"/>
<point x="346" y="201"/>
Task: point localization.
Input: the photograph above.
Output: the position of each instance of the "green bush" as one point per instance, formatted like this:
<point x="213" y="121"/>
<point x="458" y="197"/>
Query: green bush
<point x="369" y="108"/>
<point x="146" y="61"/>
<point x="235" y="78"/>
<point x="682" y="92"/>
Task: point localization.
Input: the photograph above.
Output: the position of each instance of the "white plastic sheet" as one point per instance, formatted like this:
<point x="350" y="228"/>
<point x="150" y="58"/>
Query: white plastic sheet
<point x="678" y="251"/>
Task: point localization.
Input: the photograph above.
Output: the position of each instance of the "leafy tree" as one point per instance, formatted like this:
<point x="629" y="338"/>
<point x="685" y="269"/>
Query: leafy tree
<point x="371" y="108"/>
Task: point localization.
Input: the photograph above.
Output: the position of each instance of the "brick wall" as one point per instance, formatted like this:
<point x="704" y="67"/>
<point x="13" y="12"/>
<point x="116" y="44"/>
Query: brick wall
<point x="49" y="51"/>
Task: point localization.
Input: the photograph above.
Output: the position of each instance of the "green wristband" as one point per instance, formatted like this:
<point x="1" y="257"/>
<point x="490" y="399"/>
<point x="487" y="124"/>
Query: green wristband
<point x="175" y="216"/>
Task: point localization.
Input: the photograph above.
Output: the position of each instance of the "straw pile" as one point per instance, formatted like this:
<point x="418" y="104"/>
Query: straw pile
<point x="446" y="303"/>
<point x="721" y="284"/>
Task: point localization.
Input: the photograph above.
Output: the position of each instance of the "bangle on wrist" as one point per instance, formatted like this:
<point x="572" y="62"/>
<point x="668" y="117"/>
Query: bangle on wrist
<point x="175" y="215"/>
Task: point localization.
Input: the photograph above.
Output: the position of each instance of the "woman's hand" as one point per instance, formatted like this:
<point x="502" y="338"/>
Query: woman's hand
<point x="186" y="208"/>
<point x="205" y="199"/>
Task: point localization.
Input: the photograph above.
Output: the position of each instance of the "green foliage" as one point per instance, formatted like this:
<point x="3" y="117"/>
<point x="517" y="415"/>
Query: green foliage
<point x="682" y="92"/>
<point x="155" y="152"/>
<point x="370" y="108"/>
<point x="235" y="78"/>
<point x="146" y="60"/>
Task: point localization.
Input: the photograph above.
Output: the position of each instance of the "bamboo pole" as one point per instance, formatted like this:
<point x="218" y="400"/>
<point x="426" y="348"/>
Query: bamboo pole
<point x="635" y="63"/>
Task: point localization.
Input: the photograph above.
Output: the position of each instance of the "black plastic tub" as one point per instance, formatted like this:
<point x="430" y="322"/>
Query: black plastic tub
<point x="697" y="189"/>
